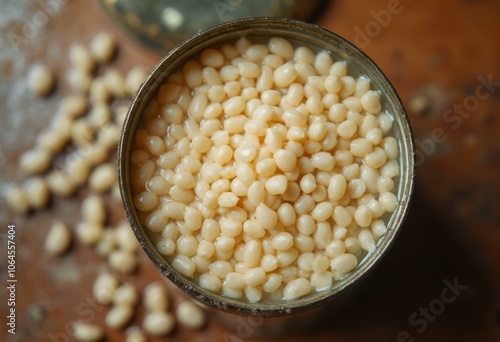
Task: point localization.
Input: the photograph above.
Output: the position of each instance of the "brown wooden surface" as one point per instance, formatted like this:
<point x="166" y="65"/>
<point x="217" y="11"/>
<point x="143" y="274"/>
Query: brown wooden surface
<point x="432" y="49"/>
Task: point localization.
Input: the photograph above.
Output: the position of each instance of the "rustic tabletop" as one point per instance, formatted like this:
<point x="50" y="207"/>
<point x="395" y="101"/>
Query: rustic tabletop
<point x="443" y="59"/>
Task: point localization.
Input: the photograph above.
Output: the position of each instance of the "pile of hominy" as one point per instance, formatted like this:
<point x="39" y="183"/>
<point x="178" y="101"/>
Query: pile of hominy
<point x="264" y="171"/>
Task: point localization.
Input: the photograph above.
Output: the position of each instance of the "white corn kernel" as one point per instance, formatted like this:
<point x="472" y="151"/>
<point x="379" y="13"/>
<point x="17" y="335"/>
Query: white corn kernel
<point x="297" y="288"/>
<point x="84" y="332"/>
<point x="190" y="315"/>
<point x="58" y="239"/>
<point x="158" y="323"/>
<point x="40" y="79"/>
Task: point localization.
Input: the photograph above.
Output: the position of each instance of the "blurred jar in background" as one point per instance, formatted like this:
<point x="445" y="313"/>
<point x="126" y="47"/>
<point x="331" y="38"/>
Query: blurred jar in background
<point x="162" y="24"/>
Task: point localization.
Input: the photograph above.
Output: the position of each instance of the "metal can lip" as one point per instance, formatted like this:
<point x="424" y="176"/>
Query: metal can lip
<point x="313" y="36"/>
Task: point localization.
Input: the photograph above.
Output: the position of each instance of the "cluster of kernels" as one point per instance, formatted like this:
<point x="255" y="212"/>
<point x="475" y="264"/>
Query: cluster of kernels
<point x="157" y="321"/>
<point x="92" y="136"/>
<point x="265" y="169"/>
<point x="85" y="122"/>
<point x="117" y="244"/>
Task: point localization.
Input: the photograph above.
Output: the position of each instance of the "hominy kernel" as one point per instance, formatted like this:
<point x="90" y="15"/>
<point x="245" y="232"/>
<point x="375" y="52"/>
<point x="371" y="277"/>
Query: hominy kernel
<point x="323" y="62"/>
<point x="102" y="47"/>
<point x="316" y="131"/>
<point x="321" y="281"/>
<point x="245" y="153"/>
<point x="356" y="188"/>
<point x="118" y="316"/>
<point x="212" y="58"/>
<point x="104" y="288"/>
<point x="320" y="263"/>
<point x="363" y="216"/>
<point x="134" y="79"/>
<point x="287" y="258"/>
<point x="282" y="241"/>
<point x="210" y="282"/>
<point x="255" y="277"/>
<point x="286" y="214"/>
<point x="322" y="211"/>
<point x="267" y="248"/>
<point x="158" y="323"/>
<point x="336" y="187"/>
<point x="126" y="294"/>
<point x="230" y="292"/>
<point x="235" y="281"/>
<point x="232" y="88"/>
<point x="323" y="235"/>
<point x="184" y="265"/>
<point x="38" y="191"/>
<point x="378" y="229"/>
<point x="368" y="123"/>
<point x="134" y="334"/>
<point x="166" y="246"/>
<point x="385" y="122"/>
<point x="190" y="315"/>
<point x="344" y="263"/>
<point x="352" y="246"/>
<point x="390" y="145"/>
<point x="265" y="216"/>
<point x="103" y="177"/>
<point x="346" y="129"/>
<point x="304" y="71"/>
<point x="297" y="288"/>
<point x="341" y="216"/>
<point x="388" y="201"/>
<point x="281" y="47"/>
<point x="58" y="239"/>
<point x="304" y="243"/>
<point x="123" y="261"/>
<point x="89" y="233"/>
<point x="235" y="124"/>
<point x="248" y="69"/>
<point x="93" y="209"/>
<point x="221" y="268"/>
<point x="267" y="167"/>
<point x="285" y="160"/>
<point x="360" y="147"/>
<point x="230" y="227"/>
<point x="319" y="194"/>
<point x="59" y="183"/>
<point x="375" y="159"/>
<point x="228" y="199"/>
<point x="35" y="161"/>
<point x="79" y="80"/>
<point x="40" y="79"/>
<point x="276" y="185"/>
<point x="224" y="256"/>
<point x="390" y="169"/>
<point x="323" y="161"/>
<point x="366" y="240"/>
<point x="371" y="102"/>
<point x="98" y="91"/>
<point x="385" y="184"/>
<point x="284" y="75"/>
<point x="187" y="245"/>
<point x="179" y="194"/>
<point x="313" y="147"/>
<point x="335" y="248"/>
<point x="85" y="332"/>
